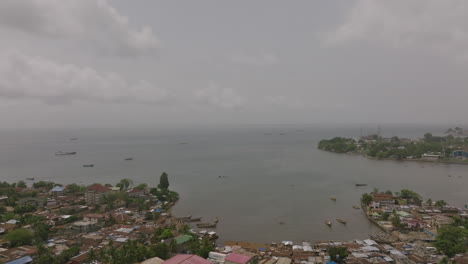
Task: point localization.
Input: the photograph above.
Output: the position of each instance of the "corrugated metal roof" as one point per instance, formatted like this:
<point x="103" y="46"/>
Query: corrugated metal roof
<point x="22" y="260"/>
<point x="186" y="259"/>
<point x="238" y="258"/>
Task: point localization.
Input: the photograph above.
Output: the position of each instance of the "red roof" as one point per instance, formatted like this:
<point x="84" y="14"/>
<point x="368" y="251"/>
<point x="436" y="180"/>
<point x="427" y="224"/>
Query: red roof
<point x="98" y="188"/>
<point x="238" y="258"/>
<point x="187" y="259"/>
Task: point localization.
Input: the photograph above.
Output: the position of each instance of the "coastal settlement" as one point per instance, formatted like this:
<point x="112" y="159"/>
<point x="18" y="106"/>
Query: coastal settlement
<point x="452" y="148"/>
<point x="51" y="223"/>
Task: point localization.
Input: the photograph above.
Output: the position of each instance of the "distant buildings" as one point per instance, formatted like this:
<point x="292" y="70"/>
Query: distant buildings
<point x="94" y="193"/>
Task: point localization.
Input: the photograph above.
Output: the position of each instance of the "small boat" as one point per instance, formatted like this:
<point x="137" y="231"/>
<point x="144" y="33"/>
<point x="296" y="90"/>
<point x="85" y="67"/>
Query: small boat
<point x="216" y="220"/>
<point x="206" y="225"/>
<point x="341" y="221"/>
<point x="281" y="223"/>
<point x="361" y="184"/>
<point x="74" y="138"/>
<point x="88" y="165"/>
<point x="282" y="134"/>
<point x="129" y="159"/>
<point x="328" y="222"/>
<point x="333" y="198"/>
<point x="30" y="179"/>
<point x="61" y="153"/>
<point x="356" y="207"/>
<point x="194" y="219"/>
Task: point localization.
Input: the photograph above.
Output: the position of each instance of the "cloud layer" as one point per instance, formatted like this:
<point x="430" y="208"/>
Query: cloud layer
<point x="432" y="25"/>
<point x="28" y="77"/>
<point x="221" y="97"/>
<point x="89" y="22"/>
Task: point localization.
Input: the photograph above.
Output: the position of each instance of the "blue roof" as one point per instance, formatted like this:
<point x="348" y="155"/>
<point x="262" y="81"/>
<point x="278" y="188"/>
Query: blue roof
<point x="22" y="260"/>
<point x="57" y="189"/>
<point x="330" y="262"/>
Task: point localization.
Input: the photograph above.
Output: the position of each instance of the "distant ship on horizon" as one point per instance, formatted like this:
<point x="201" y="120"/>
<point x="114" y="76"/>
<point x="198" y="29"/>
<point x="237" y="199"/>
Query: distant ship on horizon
<point x="61" y="153"/>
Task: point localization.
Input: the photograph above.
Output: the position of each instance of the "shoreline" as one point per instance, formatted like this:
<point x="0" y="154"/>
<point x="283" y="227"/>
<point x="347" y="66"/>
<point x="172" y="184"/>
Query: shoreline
<point x="401" y="160"/>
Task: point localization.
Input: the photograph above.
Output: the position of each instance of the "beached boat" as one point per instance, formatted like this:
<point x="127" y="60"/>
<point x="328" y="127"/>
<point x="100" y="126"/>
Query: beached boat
<point x="194" y="219"/>
<point x="88" y="165"/>
<point x="333" y="198"/>
<point x="328" y="222"/>
<point x="361" y="184"/>
<point x="356" y="207"/>
<point x="206" y="225"/>
<point x="341" y="221"/>
<point x="61" y="153"/>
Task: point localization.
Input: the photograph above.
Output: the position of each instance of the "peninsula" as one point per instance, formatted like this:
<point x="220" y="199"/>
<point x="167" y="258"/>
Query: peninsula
<point x="452" y="148"/>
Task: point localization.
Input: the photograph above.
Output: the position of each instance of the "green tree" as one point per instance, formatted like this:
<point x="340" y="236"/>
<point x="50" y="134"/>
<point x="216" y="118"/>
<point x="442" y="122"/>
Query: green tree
<point x="396" y="222"/>
<point x="440" y="203"/>
<point x="429" y="202"/>
<point x="141" y="186"/>
<point x="73" y="188"/>
<point x="366" y="198"/>
<point x="124" y="184"/>
<point x="338" y="254"/>
<point x="21" y="184"/>
<point x="405" y="193"/>
<point x="164" y="181"/>
<point x="385" y="216"/>
<point x="19" y="237"/>
<point x="452" y="240"/>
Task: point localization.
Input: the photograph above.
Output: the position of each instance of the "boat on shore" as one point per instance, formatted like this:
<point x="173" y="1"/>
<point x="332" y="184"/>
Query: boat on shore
<point x="333" y="198"/>
<point x="356" y="207"/>
<point x="341" y="221"/>
<point x="328" y="222"/>
<point x="194" y="219"/>
<point x="361" y="184"/>
<point x="88" y="165"/>
<point x="62" y="153"/>
<point x="206" y="225"/>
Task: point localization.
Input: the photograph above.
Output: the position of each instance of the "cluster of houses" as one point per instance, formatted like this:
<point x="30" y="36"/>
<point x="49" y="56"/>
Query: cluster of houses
<point x="422" y="219"/>
<point x="76" y="220"/>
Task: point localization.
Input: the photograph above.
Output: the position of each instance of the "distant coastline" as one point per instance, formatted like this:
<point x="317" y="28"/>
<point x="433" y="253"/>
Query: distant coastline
<point x="450" y="149"/>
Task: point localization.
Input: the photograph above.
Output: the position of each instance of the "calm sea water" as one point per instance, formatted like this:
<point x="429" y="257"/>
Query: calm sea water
<point x="268" y="178"/>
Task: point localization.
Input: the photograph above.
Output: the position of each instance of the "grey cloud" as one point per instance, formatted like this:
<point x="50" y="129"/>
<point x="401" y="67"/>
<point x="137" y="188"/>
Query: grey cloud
<point x="262" y="59"/>
<point x="434" y="25"/>
<point x="221" y="97"/>
<point x="89" y="22"/>
<point x="23" y="76"/>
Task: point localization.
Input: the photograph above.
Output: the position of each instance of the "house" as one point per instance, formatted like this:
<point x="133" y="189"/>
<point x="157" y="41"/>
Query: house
<point x="439" y="221"/>
<point x="154" y="260"/>
<point x="427" y="156"/>
<point x="186" y="259"/>
<point x="460" y="154"/>
<point x="94" y="218"/>
<point x="23" y="260"/>
<point x="137" y="192"/>
<point x="182" y="242"/>
<point x="94" y="193"/>
<point x="84" y="226"/>
<point x="237" y="258"/>
<point x="383" y="199"/>
<point x="57" y="191"/>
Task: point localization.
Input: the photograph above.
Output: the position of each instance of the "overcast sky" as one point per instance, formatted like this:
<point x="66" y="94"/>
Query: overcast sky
<point x="72" y="63"/>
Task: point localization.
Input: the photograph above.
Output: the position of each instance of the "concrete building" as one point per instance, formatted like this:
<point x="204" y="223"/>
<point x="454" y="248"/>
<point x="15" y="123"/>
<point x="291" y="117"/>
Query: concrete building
<point x="94" y="193"/>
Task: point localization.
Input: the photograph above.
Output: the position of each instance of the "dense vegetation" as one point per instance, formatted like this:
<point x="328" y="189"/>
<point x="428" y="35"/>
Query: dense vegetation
<point x="338" y="144"/>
